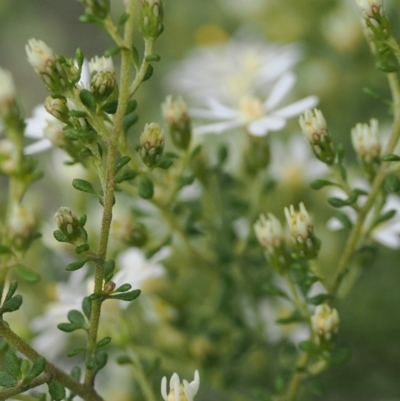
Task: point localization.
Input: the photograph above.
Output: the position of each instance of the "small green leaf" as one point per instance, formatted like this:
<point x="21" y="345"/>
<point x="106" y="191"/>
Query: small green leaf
<point x="318" y="299"/>
<point x="103" y="342"/>
<point x="76" y="265"/>
<point x="135" y="57"/>
<point x="110" y="107"/>
<point x="295" y="317"/>
<point x="76" y="351"/>
<point x="76" y="373"/>
<point x="27" y="274"/>
<point x="101" y="360"/>
<point x="165" y="162"/>
<point x="56" y="390"/>
<point x="12" y="304"/>
<point x="153" y="57"/>
<point x="122" y="162"/>
<point x="123" y="360"/>
<point x="318" y="184"/>
<point x="87" y="306"/>
<point x="88" y="99"/>
<point x="84" y="186"/>
<point x="6" y="380"/>
<point x="126" y="296"/>
<point x="309" y="347"/>
<point x="131" y="106"/>
<point x="13" y="365"/>
<point x="125" y="175"/>
<point x="39" y="365"/>
<point x="73" y="134"/>
<point x="11" y="290"/>
<point x="340" y="153"/>
<point x="81" y="248"/>
<point x="77" y="113"/>
<point x="146" y="188"/>
<point x="390" y="157"/>
<point x="149" y="73"/>
<point x="387" y="216"/>
<point x="59" y="236"/>
<point x="82" y="220"/>
<point x="123" y="288"/>
<point x="68" y="327"/>
<point x="109" y="268"/>
<point x="122" y="19"/>
<point x="76" y="317"/>
<point x="344" y="219"/>
<point x="392" y="183"/>
<point x="337" y="202"/>
<point x="274" y="291"/>
<point x="129" y="120"/>
<point x="112" y="51"/>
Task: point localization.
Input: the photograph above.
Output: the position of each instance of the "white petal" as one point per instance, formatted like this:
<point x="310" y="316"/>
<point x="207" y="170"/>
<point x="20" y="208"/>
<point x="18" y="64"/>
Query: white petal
<point x="297" y="108"/>
<point x="38" y="147"/>
<point x="280" y="90"/>
<point x="387" y="237"/>
<point x="334" y="224"/>
<point x="265" y="124"/>
<point x="217" y="128"/>
<point x="163" y="253"/>
<point x="195" y="384"/>
<point x="164" y="388"/>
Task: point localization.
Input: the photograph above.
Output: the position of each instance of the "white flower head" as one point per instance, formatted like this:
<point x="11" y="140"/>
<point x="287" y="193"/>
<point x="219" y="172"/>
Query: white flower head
<point x="325" y="321"/>
<point x="313" y="125"/>
<point x="180" y="392"/>
<point x="257" y="116"/>
<point x="365" y="139"/>
<point x="269" y="232"/>
<point x="299" y="222"/>
<point x="98" y="64"/>
<point x="40" y="56"/>
<point x="175" y="112"/>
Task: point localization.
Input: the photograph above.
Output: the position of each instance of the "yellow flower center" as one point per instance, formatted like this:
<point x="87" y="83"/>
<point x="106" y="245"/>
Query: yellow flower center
<point x="251" y="108"/>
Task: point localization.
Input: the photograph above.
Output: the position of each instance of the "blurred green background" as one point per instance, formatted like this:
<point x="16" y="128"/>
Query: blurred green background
<point x="336" y="66"/>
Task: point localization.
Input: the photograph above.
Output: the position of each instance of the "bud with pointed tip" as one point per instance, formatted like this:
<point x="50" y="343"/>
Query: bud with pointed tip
<point x="152" y="142"/>
<point x="151" y="18"/>
<point x="180" y="392"/>
<point x="103" y="80"/>
<point x="57" y="107"/>
<point x="325" y="322"/>
<point x="68" y="223"/>
<point x="21" y="227"/>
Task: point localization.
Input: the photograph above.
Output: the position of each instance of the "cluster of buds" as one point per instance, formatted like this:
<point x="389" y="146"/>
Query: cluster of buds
<point x="302" y="231"/>
<point x="69" y="225"/>
<point x="180" y="392"/>
<point x="366" y="144"/>
<point x="151" y="18"/>
<point x="46" y="63"/>
<point x="325" y="323"/>
<point x="21" y="227"/>
<point x="270" y="235"/>
<point x="313" y="126"/>
<point x="177" y="117"/>
<point x="152" y="144"/>
<point x="103" y="80"/>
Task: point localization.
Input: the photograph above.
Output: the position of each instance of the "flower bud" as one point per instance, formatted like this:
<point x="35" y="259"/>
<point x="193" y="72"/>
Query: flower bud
<point x="325" y="322"/>
<point x="366" y="144"/>
<point x="45" y="63"/>
<point x="21" y="227"/>
<point x="180" y="392"/>
<point x="130" y="232"/>
<point x="57" y="107"/>
<point x="7" y="93"/>
<point x="270" y="235"/>
<point x="370" y="8"/>
<point x="176" y="115"/>
<point x="109" y="287"/>
<point x="68" y="224"/>
<point x="103" y="81"/>
<point x="151" y="18"/>
<point x="98" y="8"/>
<point x="152" y="142"/>
<point x="8" y="157"/>
<point x="302" y="231"/>
<point x="54" y="132"/>
<point x="313" y="126"/>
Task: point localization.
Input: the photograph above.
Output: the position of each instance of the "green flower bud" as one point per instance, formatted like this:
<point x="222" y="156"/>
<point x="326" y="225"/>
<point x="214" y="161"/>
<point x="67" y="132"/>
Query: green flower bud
<point x="21" y="227"/>
<point x="151" y="18"/>
<point x="176" y="115"/>
<point x="103" y="77"/>
<point x="68" y="224"/>
<point x="99" y="8"/>
<point x="152" y="141"/>
<point x="57" y="107"/>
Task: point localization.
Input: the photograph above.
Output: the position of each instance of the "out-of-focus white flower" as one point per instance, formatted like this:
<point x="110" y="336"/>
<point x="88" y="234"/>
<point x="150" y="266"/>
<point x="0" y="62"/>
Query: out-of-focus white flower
<point x="293" y="164"/>
<point x="325" y="321"/>
<point x="7" y="89"/>
<point x="386" y="233"/>
<point x="135" y="269"/>
<point x="180" y="392"/>
<point x="50" y="341"/>
<point x="228" y="72"/>
<point x="257" y="116"/>
<point x="365" y="141"/>
<point x="40" y="55"/>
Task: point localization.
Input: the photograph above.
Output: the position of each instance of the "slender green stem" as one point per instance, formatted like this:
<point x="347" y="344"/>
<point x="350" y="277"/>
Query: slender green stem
<point x="148" y="49"/>
<point x="112" y="147"/>
<point x="297" y="377"/>
<point x="354" y="236"/>
<point x="84" y="391"/>
<point x="10" y="392"/>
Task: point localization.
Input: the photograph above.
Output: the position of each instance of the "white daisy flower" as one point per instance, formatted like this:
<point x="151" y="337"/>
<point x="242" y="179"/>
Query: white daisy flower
<point x="257" y="116"/>
<point x="238" y="68"/>
<point x="180" y="392"/>
<point x="135" y="269"/>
